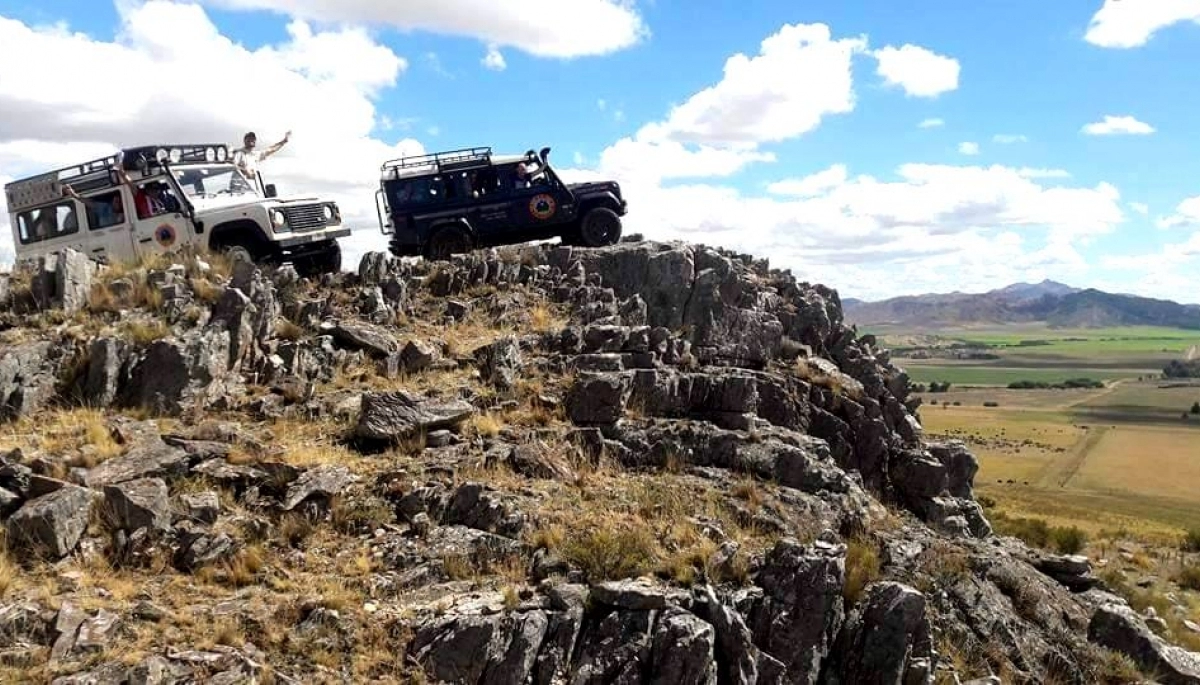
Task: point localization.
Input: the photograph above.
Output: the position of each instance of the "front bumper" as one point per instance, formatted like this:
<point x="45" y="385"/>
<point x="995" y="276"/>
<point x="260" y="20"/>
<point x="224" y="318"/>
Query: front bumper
<point x="309" y="238"/>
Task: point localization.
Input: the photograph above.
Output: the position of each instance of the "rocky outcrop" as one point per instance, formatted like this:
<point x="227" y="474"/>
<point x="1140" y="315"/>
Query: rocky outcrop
<point x="1119" y="628"/>
<point x="702" y="476"/>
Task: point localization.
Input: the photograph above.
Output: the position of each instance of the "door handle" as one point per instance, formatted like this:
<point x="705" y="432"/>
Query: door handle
<point x="145" y="240"/>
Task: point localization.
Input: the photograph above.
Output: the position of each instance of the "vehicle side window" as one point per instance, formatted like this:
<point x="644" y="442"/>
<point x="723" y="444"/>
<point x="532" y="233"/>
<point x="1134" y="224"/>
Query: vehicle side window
<point x="97" y="221"/>
<point x="46" y="223"/>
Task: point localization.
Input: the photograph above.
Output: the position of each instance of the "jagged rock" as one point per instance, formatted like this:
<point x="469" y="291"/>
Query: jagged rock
<point x="536" y="461"/>
<point x="481" y="649"/>
<point x="616" y="649"/>
<point x="27" y="378"/>
<point x="373" y="340"/>
<point x="683" y="650"/>
<point x="51" y="524"/>
<point x="201" y="507"/>
<point x="73" y="280"/>
<point x="499" y="362"/>
<point x="884" y="640"/>
<point x="801" y="611"/>
<point x="106" y="364"/>
<point x="474" y="507"/>
<point x="171" y="375"/>
<point x="141" y="503"/>
<point x="630" y="594"/>
<point x="597" y="399"/>
<point x="418" y="355"/>
<point x="196" y="548"/>
<point x="149" y="458"/>
<point x="9" y="502"/>
<point x="323" y="483"/>
<point x="97" y="632"/>
<point x="66" y="628"/>
<point x="1075" y="572"/>
<point x="1117" y="627"/>
<point x="396" y="415"/>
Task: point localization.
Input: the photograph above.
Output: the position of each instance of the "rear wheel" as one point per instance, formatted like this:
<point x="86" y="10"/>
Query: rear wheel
<point x="601" y="226"/>
<point x="447" y="242"/>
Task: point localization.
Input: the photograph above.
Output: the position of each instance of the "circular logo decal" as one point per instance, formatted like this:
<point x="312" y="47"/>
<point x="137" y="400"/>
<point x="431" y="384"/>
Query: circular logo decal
<point x="542" y="206"/>
<point x="165" y="235"/>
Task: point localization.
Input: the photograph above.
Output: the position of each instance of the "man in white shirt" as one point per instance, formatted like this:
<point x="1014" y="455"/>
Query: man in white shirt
<point x="246" y="158"/>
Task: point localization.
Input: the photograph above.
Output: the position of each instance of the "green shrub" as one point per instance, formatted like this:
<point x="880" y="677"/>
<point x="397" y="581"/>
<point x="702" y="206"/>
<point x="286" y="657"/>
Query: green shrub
<point x="1068" y="540"/>
<point x="1191" y="541"/>
<point x="1033" y="532"/>
<point x="1189" y="578"/>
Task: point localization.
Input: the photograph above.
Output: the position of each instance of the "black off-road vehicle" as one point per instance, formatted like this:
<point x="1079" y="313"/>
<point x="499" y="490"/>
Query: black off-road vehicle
<point x="452" y="202"/>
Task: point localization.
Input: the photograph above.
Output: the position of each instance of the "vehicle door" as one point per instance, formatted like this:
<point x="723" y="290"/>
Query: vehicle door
<point x="163" y="230"/>
<point x="487" y="204"/>
<point x="537" y="205"/>
<point x="103" y="226"/>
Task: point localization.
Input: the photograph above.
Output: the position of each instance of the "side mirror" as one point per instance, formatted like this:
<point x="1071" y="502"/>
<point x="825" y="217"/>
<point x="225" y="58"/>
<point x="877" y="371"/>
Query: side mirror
<point x="269" y="190"/>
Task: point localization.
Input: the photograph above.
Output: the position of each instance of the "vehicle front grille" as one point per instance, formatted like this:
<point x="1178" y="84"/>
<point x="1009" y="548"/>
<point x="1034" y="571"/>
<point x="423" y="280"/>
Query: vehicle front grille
<point x="305" y="217"/>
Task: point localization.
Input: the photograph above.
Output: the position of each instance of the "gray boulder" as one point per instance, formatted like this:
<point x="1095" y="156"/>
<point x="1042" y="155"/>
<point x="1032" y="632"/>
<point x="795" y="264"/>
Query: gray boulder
<point x="1118" y="627"/>
<point x="52" y="524"/>
<point x="597" y="399"/>
<point x="886" y="640"/>
<point x="397" y="415"/>
<point x="149" y="458"/>
<point x="136" y="504"/>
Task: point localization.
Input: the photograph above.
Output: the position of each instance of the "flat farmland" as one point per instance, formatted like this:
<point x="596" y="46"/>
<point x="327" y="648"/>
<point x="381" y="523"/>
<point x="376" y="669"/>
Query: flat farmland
<point x="986" y="374"/>
<point x="1045" y="459"/>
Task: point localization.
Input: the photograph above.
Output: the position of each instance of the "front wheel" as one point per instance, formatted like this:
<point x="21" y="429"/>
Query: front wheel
<point x="447" y="242"/>
<point x="600" y="227"/>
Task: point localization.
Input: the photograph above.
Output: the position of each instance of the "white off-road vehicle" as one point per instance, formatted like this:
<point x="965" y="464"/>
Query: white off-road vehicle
<point x="154" y="199"/>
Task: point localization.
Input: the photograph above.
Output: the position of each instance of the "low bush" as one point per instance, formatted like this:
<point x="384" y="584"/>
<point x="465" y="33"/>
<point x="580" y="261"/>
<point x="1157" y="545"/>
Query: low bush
<point x="1189" y="578"/>
<point x="1191" y="541"/>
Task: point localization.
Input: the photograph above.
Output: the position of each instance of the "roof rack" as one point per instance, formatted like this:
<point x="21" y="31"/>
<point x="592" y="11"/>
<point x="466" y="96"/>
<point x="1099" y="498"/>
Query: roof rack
<point x="187" y="153"/>
<point x="46" y="188"/>
<point x="442" y="161"/>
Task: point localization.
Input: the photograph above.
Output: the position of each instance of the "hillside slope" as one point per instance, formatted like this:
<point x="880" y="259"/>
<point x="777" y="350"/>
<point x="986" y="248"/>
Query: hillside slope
<point x="1048" y="302"/>
<point x="650" y="463"/>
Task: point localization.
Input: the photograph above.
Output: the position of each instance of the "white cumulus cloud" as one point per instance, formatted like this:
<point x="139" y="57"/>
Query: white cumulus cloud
<point x="931" y="123"/>
<point x="919" y="71"/>
<point x="494" y="59"/>
<point x="1009" y="138"/>
<point x="1132" y="23"/>
<point x="968" y="148"/>
<point x="1117" y="125"/>
<point x="1031" y="172"/>
<point x="801" y="75"/>
<point x="545" y="28"/>
<point x="1140" y="207"/>
<point x="1187" y="215"/>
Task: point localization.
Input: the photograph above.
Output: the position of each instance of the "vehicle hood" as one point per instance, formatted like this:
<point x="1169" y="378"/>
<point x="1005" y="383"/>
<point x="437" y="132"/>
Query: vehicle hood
<point x="207" y="204"/>
<point x="595" y="187"/>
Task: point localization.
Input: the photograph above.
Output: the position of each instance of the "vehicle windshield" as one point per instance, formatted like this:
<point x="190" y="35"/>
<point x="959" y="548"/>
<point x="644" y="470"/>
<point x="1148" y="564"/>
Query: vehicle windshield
<point x="213" y="181"/>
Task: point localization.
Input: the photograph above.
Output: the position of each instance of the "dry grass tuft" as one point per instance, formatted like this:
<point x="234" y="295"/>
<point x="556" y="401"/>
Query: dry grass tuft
<point x="862" y="568"/>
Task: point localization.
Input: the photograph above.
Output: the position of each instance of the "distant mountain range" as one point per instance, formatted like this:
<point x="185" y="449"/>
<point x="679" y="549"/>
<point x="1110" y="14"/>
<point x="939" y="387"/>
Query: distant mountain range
<point x="1049" y="302"/>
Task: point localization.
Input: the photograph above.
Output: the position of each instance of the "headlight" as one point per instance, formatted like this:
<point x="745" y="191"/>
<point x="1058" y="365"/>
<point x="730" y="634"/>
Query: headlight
<point x="278" y="219"/>
<point x="328" y="213"/>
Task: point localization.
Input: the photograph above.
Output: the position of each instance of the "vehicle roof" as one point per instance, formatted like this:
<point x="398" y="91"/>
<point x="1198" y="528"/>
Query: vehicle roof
<point x="46" y="187"/>
<point x="447" y="161"/>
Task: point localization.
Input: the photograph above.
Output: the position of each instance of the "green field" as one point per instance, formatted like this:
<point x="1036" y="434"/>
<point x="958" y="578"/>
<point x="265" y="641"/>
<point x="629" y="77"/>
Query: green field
<point x="965" y="374"/>
<point x="1124" y="457"/>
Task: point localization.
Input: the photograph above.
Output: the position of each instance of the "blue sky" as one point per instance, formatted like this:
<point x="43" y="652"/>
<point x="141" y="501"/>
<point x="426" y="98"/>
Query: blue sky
<point x="888" y="207"/>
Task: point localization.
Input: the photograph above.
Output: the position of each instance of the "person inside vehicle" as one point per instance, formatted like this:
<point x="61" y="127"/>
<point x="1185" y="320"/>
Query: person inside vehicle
<point x="247" y="157"/>
<point x="104" y="213"/>
<point x="154" y="198"/>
